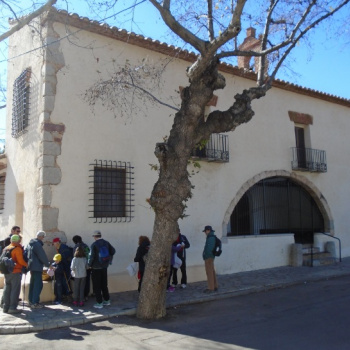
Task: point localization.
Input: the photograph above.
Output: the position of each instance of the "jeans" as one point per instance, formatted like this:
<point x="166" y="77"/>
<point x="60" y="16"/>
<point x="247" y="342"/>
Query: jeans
<point x="100" y="284"/>
<point x="79" y="287"/>
<point x="35" y="286"/>
<point x="58" y="288"/>
<point x="12" y="290"/>
<point x="87" y="283"/>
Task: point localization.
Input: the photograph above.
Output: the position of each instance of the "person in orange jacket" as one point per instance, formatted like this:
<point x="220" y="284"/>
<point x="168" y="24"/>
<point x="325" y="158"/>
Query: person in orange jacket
<point x="12" y="287"/>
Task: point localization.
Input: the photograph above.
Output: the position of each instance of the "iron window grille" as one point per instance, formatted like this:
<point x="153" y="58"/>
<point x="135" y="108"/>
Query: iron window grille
<point x="21" y="103"/>
<point x="2" y="192"/>
<point x="215" y="150"/>
<point x="111" y="185"/>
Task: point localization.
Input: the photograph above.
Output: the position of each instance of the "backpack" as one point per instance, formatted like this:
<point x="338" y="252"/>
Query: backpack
<point x="86" y="250"/>
<point x="218" y="247"/>
<point x="103" y="254"/>
<point x="6" y="262"/>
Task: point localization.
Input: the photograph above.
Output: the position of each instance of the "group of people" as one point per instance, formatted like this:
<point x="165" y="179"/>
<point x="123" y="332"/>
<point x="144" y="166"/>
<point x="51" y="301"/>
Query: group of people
<point x="84" y="263"/>
<point x="78" y="266"/>
<point x="178" y="260"/>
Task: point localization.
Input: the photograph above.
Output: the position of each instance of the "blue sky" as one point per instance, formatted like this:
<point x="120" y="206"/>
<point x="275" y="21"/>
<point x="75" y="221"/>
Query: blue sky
<point x="325" y="67"/>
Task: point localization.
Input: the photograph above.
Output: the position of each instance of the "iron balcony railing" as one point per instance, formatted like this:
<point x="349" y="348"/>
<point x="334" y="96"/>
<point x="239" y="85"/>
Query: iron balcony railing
<point x="215" y="150"/>
<point x="308" y="159"/>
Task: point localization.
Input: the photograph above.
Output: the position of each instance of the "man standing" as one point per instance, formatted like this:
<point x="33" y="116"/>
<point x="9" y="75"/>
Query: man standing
<point x="101" y="255"/>
<point x="13" y="280"/>
<point x="181" y="239"/>
<point x="36" y="260"/>
<point x="4" y="243"/>
<point x="66" y="259"/>
<point x="208" y="258"/>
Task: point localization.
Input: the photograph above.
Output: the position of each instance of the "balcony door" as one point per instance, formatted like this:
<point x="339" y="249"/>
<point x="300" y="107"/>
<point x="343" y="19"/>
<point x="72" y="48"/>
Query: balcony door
<point x="300" y="144"/>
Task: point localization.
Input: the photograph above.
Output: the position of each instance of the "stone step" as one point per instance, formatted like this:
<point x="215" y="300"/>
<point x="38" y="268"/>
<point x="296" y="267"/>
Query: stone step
<point x="308" y="250"/>
<point x="319" y="259"/>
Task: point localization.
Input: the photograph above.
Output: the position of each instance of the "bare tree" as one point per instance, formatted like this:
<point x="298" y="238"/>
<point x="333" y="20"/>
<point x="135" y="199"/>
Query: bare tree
<point x="213" y="30"/>
<point x="283" y="24"/>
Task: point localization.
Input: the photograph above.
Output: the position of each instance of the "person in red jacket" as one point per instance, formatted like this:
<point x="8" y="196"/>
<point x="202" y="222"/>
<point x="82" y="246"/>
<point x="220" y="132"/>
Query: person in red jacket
<point x="12" y="287"/>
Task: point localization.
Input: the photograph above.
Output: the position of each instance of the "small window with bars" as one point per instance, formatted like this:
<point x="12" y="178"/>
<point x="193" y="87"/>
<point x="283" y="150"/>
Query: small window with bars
<point x="20" y="104"/>
<point x="111" y="191"/>
<point x="2" y="192"/>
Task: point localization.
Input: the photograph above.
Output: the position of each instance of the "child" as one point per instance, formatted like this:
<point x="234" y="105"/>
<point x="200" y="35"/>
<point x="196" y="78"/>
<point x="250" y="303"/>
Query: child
<point x="59" y="278"/>
<point x="78" y="267"/>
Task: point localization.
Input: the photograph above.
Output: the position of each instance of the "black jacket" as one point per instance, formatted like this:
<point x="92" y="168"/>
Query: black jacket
<point x="182" y="239"/>
<point x="142" y="250"/>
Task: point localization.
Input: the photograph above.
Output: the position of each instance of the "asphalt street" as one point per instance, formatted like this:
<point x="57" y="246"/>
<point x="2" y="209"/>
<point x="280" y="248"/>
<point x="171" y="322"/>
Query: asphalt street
<point x="312" y="315"/>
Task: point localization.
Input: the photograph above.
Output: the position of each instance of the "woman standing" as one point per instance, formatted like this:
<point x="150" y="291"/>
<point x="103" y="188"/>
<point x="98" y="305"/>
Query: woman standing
<point x="142" y="250"/>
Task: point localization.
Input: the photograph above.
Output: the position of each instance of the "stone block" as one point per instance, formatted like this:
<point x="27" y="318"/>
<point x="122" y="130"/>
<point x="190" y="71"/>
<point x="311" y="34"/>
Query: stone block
<point x="44" y="195"/>
<point x="51" y="148"/>
<point x="46" y="295"/>
<point x="50" y="176"/>
<point x="46" y="160"/>
<point x="296" y="255"/>
<point x="49" y="103"/>
<point x="49" y="218"/>
<point x="329" y="247"/>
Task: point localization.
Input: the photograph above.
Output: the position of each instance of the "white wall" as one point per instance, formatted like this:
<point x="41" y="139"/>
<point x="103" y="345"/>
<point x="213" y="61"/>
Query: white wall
<point x="260" y="146"/>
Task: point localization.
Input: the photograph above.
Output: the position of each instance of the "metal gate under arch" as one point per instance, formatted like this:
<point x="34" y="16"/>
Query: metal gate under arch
<point x="277" y="205"/>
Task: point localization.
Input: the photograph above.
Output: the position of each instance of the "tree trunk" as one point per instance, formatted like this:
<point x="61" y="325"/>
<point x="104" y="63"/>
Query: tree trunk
<point x="173" y="187"/>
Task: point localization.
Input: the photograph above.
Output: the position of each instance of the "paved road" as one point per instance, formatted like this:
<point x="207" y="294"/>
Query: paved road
<point x="314" y="315"/>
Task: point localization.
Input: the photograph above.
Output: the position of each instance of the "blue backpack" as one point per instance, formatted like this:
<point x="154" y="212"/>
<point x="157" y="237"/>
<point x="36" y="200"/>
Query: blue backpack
<point x="103" y="254"/>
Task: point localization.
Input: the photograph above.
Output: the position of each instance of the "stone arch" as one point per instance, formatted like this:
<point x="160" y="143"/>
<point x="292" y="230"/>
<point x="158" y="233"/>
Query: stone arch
<point x="314" y="192"/>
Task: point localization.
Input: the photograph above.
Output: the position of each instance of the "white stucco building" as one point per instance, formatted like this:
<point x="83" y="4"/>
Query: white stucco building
<point x="71" y="169"/>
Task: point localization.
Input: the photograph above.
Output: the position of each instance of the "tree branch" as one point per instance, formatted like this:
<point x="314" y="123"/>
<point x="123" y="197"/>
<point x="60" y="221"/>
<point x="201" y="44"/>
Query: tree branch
<point x="25" y="20"/>
<point x="240" y="112"/>
<point x="177" y="28"/>
<point x="210" y="20"/>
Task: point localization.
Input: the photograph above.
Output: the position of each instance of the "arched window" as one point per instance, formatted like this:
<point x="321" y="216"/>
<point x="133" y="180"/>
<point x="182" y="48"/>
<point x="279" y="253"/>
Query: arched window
<point x="277" y="205"/>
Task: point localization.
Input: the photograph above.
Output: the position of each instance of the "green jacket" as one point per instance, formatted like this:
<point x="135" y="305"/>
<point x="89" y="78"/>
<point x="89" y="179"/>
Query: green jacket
<point x="209" y="246"/>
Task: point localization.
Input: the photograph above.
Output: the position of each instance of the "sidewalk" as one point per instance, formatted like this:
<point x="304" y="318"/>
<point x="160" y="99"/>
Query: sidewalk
<point x="56" y="316"/>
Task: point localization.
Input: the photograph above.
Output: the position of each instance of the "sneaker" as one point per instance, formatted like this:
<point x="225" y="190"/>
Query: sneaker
<point x="183" y="286"/>
<point x="98" y="306"/>
<point x="75" y="303"/>
<point x="171" y="289"/>
<point x="81" y="303"/>
<point x="14" y="311"/>
<point x="106" y="302"/>
<point x="36" y="306"/>
<point x="58" y="303"/>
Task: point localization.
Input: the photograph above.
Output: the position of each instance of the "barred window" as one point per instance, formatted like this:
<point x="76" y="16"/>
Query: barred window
<point x="111" y="191"/>
<point x="20" y="104"/>
<point x="2" y="192"/>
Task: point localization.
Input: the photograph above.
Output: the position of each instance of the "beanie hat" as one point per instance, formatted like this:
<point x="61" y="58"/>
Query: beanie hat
<point x="57" y="257"/>
<point x="15" y="238"/>
<point x="56" y="240"/>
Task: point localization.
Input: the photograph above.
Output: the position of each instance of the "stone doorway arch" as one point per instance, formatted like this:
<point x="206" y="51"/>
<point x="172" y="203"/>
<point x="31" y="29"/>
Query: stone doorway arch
<point x="314" y="192"/>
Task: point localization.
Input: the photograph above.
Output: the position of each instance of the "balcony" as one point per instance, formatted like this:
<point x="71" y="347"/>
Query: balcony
<point x="215" y="150"/>
<point x="308" y="159"/>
